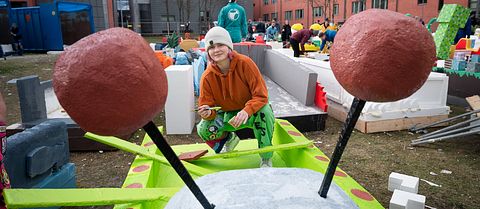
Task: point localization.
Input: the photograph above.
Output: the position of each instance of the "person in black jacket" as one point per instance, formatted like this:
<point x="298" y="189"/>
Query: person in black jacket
<point x="286" y="33"/>
<point x="260" y="28"/>
<point x="17" y="37"/>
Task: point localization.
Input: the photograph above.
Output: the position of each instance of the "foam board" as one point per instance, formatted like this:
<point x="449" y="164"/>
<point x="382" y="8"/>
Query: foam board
<point x="403" y="182"/>
<point x="406" y="200"/>
<point x="179" y="114"/>
<point x="296" y="79"/>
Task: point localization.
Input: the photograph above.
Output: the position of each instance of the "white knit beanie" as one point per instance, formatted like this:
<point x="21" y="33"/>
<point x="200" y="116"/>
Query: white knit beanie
<point x="218" y="35"/>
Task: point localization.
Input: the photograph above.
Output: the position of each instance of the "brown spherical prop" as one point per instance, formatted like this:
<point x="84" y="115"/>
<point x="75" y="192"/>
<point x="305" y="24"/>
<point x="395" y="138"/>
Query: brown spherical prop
<point x="382" y="56"/>
<point x="110" y="82"/>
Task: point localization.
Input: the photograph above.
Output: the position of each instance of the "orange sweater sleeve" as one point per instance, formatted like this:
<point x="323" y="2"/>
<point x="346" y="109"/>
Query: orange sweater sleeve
<point x="206" y="97"/>
<point x="258" y="88"/>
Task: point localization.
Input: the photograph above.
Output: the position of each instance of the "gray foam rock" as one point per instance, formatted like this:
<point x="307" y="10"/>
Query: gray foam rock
<point x="265" y="188"/>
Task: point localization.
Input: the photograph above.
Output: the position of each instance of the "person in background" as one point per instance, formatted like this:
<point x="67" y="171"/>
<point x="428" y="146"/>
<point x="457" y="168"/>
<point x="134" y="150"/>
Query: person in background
<point x="329" y="35"/>
<point x="232" y="17"/>
<point x="17" y="37"/>
<point x="271" y="32"/>
<point x="232" y="82"/>
<point x="325" y="25"/>
<point x="277" y="25"/>
<point x="298" y="40"/>
<point x="250" y="29"/>
<point x="286" y="33"/>
<point x="260" y="28"/>
<point x="4" y="180"/>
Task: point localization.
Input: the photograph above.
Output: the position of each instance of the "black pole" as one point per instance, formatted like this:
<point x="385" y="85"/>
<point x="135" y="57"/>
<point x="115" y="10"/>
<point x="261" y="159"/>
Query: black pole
<point x="172" y="158"/>
<point x="353" y="114"/>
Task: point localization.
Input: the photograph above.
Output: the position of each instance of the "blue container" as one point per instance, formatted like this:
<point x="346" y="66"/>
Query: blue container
<point x="41" y="26"/>
<point x="475" y="58"/>
<point x="459" y="65"/>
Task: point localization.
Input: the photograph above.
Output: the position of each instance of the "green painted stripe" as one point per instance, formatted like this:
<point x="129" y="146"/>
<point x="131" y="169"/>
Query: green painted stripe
<point x="273" y="148"/>
<point x="139" y="150"/>
<point x="29" y="198"/>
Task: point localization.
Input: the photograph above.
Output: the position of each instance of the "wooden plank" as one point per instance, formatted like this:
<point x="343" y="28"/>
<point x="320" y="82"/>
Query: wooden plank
<point x="474" y="102"/>
<point x="296" y="145"/>
<point x="338" y="112"/>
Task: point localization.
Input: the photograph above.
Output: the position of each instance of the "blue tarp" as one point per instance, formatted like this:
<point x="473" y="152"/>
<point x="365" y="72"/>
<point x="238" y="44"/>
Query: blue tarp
<point x="72" y="7"/>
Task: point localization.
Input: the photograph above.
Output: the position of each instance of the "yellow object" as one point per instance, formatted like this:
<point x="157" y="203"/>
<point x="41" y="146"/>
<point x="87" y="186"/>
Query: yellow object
<point x="315" y="26"/>
<point x="310" y="48"/>
<point x="297" y="26"/>
<point x="332" y="27"/>
<point x="188" y="44"/>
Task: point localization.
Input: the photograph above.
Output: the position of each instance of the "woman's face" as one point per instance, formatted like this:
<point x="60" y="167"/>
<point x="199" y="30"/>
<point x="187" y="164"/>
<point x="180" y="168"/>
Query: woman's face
<point x="218" y="52"/>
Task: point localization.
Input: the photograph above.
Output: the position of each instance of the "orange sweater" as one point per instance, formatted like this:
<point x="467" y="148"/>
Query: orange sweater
<point x="242" y="87"/>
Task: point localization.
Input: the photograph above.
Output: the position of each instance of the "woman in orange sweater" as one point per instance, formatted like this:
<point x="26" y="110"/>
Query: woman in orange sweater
<point x="233" y="82"/>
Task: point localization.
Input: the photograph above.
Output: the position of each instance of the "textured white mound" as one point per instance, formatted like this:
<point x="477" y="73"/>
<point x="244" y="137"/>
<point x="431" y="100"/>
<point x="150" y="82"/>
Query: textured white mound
<point x="264" y="188"/>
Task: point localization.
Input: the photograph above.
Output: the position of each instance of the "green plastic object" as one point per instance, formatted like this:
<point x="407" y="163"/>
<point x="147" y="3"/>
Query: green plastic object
<point x="172" y="40"/>
<point x="28" y="198"/>
<point x="429" y="24"/>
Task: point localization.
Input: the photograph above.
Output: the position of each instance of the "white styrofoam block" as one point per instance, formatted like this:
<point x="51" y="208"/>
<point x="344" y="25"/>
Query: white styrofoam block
<point x="429" y="100"/>
<point x="403" y="182"/>
<point x="6" y="48"/>
<point x="406" y="200"/>
<point x="275" y="44"/>
<point x="179" y="115"/>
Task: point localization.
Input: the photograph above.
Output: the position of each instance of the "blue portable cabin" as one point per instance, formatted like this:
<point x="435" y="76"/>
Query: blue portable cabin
<point x="50" y="26"/>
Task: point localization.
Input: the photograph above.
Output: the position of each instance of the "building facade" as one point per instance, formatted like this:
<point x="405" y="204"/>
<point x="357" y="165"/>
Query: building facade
<point x="338" y="11"/>
<point x="152" y="16"/>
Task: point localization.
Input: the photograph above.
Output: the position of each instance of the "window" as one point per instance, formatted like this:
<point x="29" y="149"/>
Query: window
<point x="165" y="18"/>
<point x="422" y="1"/>
<point x="335" y="9"/>
<point x="265" y="17"/>
<point x="380" y="4"/>
<point x="358" y="6"/>
<point x="274" y="1"/>
<point x="317" y="11"/>
<point x="440" y="5"/>
<point x="299" y="14"/>
<point x="288" y="15"/>
<point x="265" y="2"/>
<point x="274" y="16"/>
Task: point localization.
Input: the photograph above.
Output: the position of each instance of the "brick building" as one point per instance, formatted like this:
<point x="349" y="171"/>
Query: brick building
<point x="309" y="11"/>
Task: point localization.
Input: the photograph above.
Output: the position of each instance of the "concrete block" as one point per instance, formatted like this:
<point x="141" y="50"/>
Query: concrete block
<point x="403" y="182"/>
<point x="179" y="114"/>
<point x="296" y="79"/>
<point x="35" y="153"/>
<point x="406" y="200"/>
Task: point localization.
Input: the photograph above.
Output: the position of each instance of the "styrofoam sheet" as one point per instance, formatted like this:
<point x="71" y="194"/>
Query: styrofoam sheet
<point x="179" y="115"/>
<point x="429" y="100"/>
<point x="296" y="79"/>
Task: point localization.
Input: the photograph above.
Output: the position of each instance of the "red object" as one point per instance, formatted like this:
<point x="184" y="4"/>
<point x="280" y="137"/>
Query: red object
<point x="321" y="98"/>
<point x="164" y="40"/>
<point x="259" y="39"/>
<point x="200" y="37"/>
<point x="386" y="64"/>
<point x="462" y="44"/>
<point x="192" y="155"/>
<point x="110" y="83"/>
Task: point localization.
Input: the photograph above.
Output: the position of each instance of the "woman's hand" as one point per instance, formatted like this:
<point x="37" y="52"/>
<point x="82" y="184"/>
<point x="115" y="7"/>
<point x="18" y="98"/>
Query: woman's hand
<point x="204" y="111"/>
<point x="239" y="119"/>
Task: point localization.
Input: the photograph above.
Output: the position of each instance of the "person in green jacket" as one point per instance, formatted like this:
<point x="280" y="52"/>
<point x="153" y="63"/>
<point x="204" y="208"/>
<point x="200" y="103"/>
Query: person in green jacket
<point x="232" y="17"/>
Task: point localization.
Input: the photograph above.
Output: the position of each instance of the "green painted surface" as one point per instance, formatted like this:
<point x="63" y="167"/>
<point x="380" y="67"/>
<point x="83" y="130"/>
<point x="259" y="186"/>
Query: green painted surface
<point x="157" y="182"/>
<point x="22" y="198"/>
<point x="451" y="18"/>
<point x="285" y="133"/>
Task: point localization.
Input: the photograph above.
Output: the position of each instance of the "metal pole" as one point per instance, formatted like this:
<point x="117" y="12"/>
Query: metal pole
<point x="448" y="128"/>
<point x="413" y="129"/>
<point x="448" y="132"/>
<point x="353" y="115"/>
<point x="446" y="137"/>
<point x="172" y="158"/>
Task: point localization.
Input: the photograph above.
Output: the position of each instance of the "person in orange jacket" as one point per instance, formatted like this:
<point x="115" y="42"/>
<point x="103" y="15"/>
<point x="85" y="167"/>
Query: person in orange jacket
<point x="233" y="83"/>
